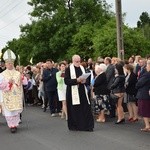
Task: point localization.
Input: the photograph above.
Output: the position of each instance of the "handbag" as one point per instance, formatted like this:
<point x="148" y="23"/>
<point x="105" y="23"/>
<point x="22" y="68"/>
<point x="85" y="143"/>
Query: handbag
<point x="113" y="98"/>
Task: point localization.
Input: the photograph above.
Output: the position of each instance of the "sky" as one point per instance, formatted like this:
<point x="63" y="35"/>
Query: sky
<point x="14" y="13"/>
<point x="133" y="9"/>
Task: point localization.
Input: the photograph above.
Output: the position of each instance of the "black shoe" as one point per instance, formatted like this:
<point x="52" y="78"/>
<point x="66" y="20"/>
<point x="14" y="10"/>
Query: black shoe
<point x="112" y="116"/>
<point x="121" y="121"/>
<point x="44" y="109"/>
<point x="13" y="130"/>
<point x="39" y="104"/>
<point x="73" y="129"/>
<point x="89" y="130"/>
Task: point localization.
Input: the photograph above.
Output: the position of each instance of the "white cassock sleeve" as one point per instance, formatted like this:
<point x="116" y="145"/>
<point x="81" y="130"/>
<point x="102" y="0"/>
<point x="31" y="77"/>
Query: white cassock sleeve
<point x="4" y="85"/>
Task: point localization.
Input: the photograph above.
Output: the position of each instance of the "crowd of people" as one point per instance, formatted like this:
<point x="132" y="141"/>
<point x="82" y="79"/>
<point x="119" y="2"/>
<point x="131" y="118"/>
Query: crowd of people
<point x="80" y="92"/>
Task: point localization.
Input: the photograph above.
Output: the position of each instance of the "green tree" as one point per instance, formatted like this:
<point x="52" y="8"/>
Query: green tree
<point x="104" y="40"/>
<point x="60" y="28"/>
<point x="144" y="19"/>
<point x="67" y="23"/>
<point x="135" y="43"/>
<point x="144" y="24"/>
<point x="82" y="42"/>
<point x="105" y="43"/>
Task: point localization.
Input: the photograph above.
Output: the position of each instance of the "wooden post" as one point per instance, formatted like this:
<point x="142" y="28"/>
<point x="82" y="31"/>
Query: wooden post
<point x="120" y="45"/>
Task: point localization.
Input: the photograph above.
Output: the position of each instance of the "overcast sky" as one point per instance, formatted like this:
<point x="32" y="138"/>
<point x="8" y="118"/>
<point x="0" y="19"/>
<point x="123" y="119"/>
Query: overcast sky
<point x="133" y="9"/>
<point x="15" y="12"/>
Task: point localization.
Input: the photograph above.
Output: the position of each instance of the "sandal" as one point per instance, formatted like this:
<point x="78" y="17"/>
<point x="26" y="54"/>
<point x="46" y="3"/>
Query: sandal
<point x="100" y="120"/>
<point x="145" y="129"/>
<point x="130" y="119"/>
<point x="135" y="120"/>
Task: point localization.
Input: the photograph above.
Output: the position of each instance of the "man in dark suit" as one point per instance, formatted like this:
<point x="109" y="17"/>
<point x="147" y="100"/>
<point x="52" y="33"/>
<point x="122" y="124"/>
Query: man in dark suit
<point x="110" y="74"/>
<point x="50" y="84"/>
<point x="142" y="69"/>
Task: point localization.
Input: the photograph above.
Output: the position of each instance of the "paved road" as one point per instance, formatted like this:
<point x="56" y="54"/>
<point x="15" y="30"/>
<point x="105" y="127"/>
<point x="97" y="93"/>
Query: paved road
<point x="40" y="131"/>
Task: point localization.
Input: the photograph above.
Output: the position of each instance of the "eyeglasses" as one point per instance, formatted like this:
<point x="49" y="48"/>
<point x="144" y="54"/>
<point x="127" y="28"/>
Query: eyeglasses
<point x="77" y="61"/>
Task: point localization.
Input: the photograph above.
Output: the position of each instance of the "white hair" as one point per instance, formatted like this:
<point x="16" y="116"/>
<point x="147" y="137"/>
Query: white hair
<point x="101" y="67"/>
<point x="74" y="57"/>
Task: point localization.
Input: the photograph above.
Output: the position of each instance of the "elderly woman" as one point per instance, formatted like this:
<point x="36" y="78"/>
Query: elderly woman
<point x="101" y="92"/>
<point x="143" y="95"/>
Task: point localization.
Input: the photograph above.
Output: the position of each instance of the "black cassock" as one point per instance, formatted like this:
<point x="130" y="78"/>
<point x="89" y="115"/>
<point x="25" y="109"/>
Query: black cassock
<point x="79" y="116"/>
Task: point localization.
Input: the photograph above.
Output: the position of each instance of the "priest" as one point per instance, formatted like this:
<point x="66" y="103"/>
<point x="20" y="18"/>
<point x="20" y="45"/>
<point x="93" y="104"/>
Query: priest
<point x="80" y="116"/>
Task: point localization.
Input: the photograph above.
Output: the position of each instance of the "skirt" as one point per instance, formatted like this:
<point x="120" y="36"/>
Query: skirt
<point x="144" y="108"/>
<point x="101" y="102"/>
<point x="61" y="95"/>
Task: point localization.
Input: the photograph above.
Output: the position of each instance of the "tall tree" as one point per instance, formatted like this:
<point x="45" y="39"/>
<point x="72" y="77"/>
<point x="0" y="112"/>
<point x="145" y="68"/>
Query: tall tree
<point x="144" y="20"/>
<point x="61" y="28"/>
<point x="61" y="21"/>
<point x="144" y="24"/>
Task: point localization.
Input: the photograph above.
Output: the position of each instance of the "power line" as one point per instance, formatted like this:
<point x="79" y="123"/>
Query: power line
<point x="4" y="6"/>
<point x="11" y="9"/>
<point x="3" y="36"/>
<point x="14" y="20"/>
<point x="1" y="39"/>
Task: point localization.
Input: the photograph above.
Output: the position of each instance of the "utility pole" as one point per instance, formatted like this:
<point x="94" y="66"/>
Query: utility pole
<point x="120" y="46"/>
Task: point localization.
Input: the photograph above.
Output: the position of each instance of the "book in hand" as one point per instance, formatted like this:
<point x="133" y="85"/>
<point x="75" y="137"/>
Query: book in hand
<point x="85" y="75"/>
<point x="62" y="75"/>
